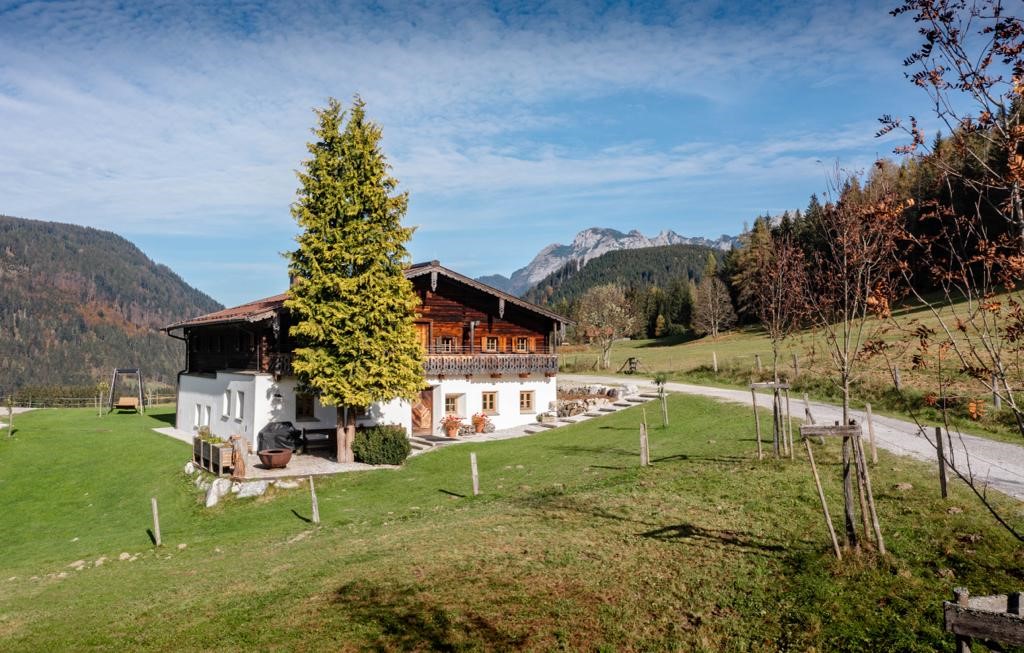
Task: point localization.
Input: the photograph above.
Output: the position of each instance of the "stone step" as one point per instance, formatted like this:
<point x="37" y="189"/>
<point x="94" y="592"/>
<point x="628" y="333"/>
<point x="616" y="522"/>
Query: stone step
<point x="607" y="409"/>
<point x="649" y="395"/>
<point x="530" y="430"/>
<point x="636" y="400"/>
<point x="547" y="425"/>
<point x="593" y="413"/>
<point x="622" y="404"/>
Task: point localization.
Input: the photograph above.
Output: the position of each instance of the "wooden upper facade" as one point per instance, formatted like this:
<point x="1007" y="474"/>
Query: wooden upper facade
<point x="465" y="327"/>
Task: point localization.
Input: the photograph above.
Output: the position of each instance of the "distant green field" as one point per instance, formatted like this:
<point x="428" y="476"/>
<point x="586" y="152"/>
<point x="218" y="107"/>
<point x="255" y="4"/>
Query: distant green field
<point x="691" y="359"/>
<point x="571" y="546"/>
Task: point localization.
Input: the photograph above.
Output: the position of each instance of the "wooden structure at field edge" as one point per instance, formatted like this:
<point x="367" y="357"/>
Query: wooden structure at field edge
<point x="995" y="618"/>
<point x="851" y="435"/>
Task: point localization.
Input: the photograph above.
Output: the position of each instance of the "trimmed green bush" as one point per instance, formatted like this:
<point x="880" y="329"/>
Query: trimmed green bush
<point x="381" y="445"/>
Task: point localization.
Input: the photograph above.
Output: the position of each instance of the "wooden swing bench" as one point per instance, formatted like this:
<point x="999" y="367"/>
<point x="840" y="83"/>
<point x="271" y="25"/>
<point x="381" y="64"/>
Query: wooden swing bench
<point x="127" y="403"/>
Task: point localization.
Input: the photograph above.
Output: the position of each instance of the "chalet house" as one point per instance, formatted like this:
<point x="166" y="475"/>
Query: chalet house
<point x="486" y="351"/>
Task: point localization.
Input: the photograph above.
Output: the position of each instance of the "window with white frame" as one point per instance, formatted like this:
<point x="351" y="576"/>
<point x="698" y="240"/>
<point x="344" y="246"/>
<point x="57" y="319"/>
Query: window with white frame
<point x="226" y="407"/>
<point x="239" y="404"/>
<point x="197" y="420"/>
<point x="491" y="343"/>
<point x="489" y="402"/>
<point x="207" y="411"/>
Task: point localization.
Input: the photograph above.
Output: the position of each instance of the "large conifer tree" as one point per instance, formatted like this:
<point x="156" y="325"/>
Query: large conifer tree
<point x="353" y="306"/>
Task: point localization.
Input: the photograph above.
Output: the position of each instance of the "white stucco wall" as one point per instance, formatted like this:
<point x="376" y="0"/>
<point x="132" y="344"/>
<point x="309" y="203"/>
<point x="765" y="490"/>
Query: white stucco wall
<point x="207" y="392"/>
<point x="266" y="400"/>
<point x="508" y="414"/>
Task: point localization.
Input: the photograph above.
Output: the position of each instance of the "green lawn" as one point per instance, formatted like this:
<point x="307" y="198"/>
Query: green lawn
<point x="691" y="359"/>
<point x="570" y="546"/>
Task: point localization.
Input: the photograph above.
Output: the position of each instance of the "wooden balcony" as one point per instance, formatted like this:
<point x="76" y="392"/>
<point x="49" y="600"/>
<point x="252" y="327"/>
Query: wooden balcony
<point x="446" y="362"/>
<point x="451" y="363"/>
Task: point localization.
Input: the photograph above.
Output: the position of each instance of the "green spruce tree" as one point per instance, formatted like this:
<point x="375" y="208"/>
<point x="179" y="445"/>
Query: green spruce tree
<point x="353" y="306"/>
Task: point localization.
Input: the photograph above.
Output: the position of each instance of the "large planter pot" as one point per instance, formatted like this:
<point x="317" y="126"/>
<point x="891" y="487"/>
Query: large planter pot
<point x="478" y="428"/>
<point x="275" y="458"/>
<point x="452" y="433"/>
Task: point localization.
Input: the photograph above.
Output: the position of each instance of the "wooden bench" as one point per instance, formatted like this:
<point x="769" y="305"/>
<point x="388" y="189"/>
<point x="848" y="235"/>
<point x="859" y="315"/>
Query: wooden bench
<point x="127" y="403"/>
<point x="319" y="439"/>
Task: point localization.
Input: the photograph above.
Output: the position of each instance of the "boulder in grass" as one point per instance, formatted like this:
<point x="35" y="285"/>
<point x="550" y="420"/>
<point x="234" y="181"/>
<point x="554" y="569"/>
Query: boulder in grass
<point x="217" y="490"/>
<point x="252" y="489"/>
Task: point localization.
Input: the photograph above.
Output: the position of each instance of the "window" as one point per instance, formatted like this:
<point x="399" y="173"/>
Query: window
<point x="491" y="343"/>
<point x="526" y="402"/>
<point x="489" y="402"/>
<point x="447" y="343"/>
<point x="226" y="408"/>
<point x="206" y="415"/>
<point x="451" y="404"/>
<point x="522" y="344"/>
<point x="239" y="404"/>
<point x="198" y="420"/>
<point x="304" y="407"/>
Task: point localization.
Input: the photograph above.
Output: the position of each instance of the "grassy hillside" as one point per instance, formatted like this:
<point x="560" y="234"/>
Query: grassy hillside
<point x="691" y="359"/>
<point x="77" y="302"/>
<point x="570" y="546"/>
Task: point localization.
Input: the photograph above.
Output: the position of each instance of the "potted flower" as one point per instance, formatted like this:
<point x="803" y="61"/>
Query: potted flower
<point x="451" y="425"/>
<point x="480" y="422"/>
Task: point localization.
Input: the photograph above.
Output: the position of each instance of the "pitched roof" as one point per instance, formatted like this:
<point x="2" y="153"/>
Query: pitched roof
<point x="262" y="309"/>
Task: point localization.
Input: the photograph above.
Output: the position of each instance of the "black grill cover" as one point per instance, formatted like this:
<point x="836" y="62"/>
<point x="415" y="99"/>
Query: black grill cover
<point x="279" y="435"/>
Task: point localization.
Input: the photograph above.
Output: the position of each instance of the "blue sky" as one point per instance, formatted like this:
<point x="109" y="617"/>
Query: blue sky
<point x="512" y="126"/>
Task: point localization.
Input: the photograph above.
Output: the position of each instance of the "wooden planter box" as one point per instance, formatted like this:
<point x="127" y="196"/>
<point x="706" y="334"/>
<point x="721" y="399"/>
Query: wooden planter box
<point x="213" y="458"/>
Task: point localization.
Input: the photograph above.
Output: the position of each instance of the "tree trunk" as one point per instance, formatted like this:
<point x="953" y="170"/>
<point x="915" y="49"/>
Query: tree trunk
<point x="344" y="434"/>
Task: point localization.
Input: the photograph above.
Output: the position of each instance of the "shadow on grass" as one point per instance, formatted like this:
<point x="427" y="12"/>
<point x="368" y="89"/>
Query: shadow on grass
<point x="166" y="418"/>
<point x="728" y="538"/>
<point x="407" y="622"/>
<point x="704" y="459"/>
<point x="671" y="341"/>
<point x="305" y="519"/>
<point x="453" y="494"/>
<point x="586" y="451"/>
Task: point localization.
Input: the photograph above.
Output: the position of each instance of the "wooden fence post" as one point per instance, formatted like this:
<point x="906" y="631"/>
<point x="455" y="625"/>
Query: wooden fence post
<point x="714" y="361"/>
<point x="942" y="461"/>
<point x="789" y="425"/>
<point x="962" y="598"/>
<point x="866" y="482"/>
<point x="871" y="434"/>
<point x="757" y="359"/>
<point x="315" y="503"/>
<point x="896" y="377"/>
<point x="156" y="521"/>
<point x="849" y="519"/>
<point x="807" y="409"/>
<point x="645" y="454"/>
<point x="10" y="417"/>
<point x="757" y="422"/>
<point x="475" y="473"/>
<point x="664" y="409"/>
<point x="824" y="504"/>
<point x="796" y="366"/>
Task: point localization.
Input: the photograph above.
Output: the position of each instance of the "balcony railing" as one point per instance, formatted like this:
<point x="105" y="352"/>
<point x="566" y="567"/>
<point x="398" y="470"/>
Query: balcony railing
<point x="456" y="364"/>
<point x="454" y="349"/>
<point x="450" y="362"/>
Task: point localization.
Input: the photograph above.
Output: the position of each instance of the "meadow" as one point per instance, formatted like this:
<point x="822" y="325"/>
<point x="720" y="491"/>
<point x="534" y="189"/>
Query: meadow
<point x="570" y="546"/>
<point x="691" y="359"/>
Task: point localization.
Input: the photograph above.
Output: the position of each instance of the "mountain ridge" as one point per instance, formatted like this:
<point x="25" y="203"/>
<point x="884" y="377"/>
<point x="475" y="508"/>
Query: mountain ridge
<point x="79" y="301"/>
<point x="589" y="244"/>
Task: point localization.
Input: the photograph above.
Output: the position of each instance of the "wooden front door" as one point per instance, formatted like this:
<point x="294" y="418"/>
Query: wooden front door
<point x="423" y="413"/>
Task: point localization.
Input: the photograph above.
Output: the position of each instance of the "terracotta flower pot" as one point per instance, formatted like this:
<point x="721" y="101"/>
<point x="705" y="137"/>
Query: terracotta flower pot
<point x="275" y="458"/>
<point x="479" y="428"/>
<point x="452" y="432"/>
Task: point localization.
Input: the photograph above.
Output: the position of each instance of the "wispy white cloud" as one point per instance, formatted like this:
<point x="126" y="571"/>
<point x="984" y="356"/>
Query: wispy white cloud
<point x="174" y="117"/>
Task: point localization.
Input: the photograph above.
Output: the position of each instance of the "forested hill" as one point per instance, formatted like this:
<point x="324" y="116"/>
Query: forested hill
<point x="77" y="302"/>
<point x="633" y="268"/>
